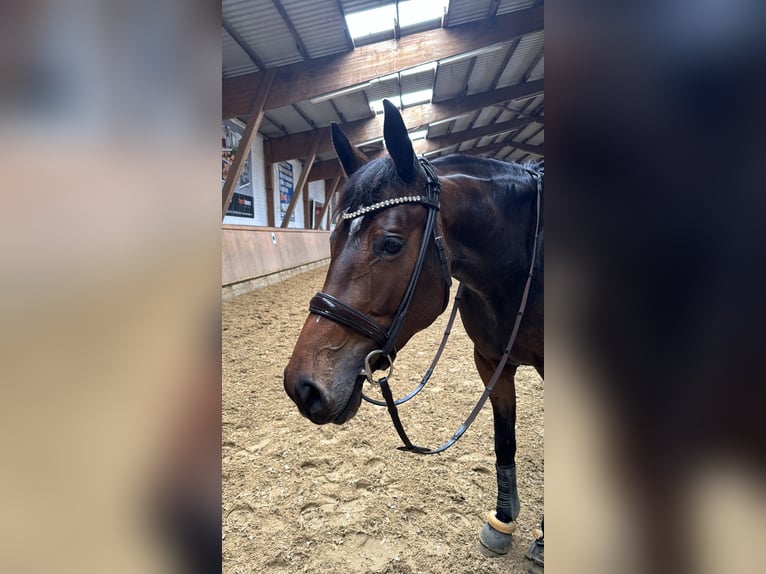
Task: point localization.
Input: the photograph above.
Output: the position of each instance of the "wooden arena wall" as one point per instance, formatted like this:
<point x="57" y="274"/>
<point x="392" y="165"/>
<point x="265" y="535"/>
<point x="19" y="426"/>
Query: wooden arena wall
<point x="252" y="257"/>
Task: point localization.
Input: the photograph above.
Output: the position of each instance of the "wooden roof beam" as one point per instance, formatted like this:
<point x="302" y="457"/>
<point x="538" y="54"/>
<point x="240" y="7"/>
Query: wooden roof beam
<point x="415" y="117"/>
<point x="328" y="168"/>
<point x="303" y="80"/>
<point x="442" y="142"/>
<point x="245" y="142"/>
<point x="531" y="149"/>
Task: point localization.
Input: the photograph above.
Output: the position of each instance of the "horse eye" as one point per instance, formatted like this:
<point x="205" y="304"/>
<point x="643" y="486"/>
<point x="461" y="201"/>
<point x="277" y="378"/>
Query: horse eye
<point x="390" y="246"/>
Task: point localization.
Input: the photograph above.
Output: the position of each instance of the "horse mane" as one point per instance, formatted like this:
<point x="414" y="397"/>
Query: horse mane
<point x="511" y="171"/>
<point x="537" y="165"/>
<point x="366" y="186"/>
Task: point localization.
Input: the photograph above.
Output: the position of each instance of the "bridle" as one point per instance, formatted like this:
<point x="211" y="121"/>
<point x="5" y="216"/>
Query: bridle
<point x="336" y="310"/>
<point x="328" y="306"/>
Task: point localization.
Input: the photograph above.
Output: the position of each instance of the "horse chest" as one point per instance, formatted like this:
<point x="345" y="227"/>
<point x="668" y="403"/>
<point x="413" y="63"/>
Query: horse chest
<point x="489" y="323"/>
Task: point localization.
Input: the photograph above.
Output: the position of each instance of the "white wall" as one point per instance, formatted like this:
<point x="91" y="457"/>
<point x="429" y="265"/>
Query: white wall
<point x="316" y="188"/>
<point x="298" y="211"/>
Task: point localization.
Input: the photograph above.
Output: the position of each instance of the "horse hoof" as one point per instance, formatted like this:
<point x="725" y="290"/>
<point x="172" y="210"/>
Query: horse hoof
<point x="494" y="540"/>
<point x="536" y="552"/>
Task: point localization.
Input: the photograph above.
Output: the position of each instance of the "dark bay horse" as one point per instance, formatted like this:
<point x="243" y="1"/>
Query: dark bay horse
<point x="387" y="281"/>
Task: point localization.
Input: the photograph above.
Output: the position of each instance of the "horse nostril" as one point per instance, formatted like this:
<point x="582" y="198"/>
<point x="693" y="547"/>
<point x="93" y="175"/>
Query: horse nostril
<point x="311" y="396"/>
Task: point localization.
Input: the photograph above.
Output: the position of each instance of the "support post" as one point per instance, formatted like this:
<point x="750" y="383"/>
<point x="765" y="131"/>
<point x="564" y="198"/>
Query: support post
<point x="304" y="178"/>
<point x="268" y="172"/>
<point x="327" y="197"/>
<point x="248" y="137"/>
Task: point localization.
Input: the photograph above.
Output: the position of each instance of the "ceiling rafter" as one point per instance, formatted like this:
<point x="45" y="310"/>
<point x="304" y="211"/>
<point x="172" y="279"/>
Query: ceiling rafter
<point x="349" y="67"/>
<point x="338" y="112"/>
<point x="494" y="5"/>
<point x="443" y="142"/>
<point x="303" y="115"/>
<point x="508" y="55"/>
<point x="349" y="40"/>
<point x="326" y="169"/>
<point x="415" y="117"/>
<point x="244" y="45"/>
<point x="533" y="64"/>
<point x="303" y="80"/>
<point x="535" y="150"/>
<point x="293" y="31"/>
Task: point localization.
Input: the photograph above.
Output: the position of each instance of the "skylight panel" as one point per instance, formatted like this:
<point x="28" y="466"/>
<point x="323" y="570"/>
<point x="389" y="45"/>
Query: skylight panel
<point x="419" y="97"/>
<point x="407" y="99"/>
<point x="429" y="67"/>
<point x="377" y="105"/>
<point x="371" y="21"/>
<point x="413" y="12"/>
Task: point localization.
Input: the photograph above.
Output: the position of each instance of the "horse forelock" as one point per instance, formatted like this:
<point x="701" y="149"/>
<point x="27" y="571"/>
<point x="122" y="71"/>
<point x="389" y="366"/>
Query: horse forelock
<point x="367" y="185"/>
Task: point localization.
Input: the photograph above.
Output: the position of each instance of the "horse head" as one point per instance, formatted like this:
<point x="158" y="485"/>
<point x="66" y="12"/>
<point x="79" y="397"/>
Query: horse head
<point x="374" y="251"/>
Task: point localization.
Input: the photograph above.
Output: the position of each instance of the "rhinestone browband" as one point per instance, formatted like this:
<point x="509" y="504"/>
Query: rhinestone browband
<point x="382" y="204"/>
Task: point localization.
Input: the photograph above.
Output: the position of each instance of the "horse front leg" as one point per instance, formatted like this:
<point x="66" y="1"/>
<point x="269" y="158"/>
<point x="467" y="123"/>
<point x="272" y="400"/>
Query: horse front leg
<point x="497" y="531"/>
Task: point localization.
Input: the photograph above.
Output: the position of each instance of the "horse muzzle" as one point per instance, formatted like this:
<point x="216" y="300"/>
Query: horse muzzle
<point x="316" y="403"/>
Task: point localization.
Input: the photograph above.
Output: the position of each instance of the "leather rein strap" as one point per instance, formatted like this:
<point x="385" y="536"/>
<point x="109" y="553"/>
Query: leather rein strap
<point x="408" y="445"/>
<point x="332" y="308"/>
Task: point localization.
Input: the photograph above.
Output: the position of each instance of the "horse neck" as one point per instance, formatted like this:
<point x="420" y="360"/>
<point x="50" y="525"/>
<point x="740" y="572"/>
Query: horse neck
<point x="488" y="232"/>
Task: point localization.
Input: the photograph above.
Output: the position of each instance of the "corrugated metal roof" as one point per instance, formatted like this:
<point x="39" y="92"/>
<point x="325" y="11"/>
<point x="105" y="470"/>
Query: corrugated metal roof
<point x="462" y="124"/>
<point x="516" y="154"/>
<point x="486" y="116"/>
<point x="506" y="115"/>
<point x="322" y="114"/>
<point x="513" y="5"/>
<point x="535" y="103"/>
<point x="350" y="6"/>
<point x="418" y="80"/>
<point x="462" y="11"/>
<point x="437" y="130"/>
<point x="529" y="47"/>
<point x="260" y="25"/>
<point x="468" y="144"/>
<point x="537" y="139"/>
<point x="353" y="106"/>
<point x="538" y="71"/>
<point x="387" y="87"/>
<point x="290" y="119"/>
<point x="486" y="68"/>
<point x="528" y="131"/>
<point x="236" y="61"/>
<point x="450" y="80"/>
<point x="269" y="129"/>
<point x="321" y="28"/>
<point x="319" y="25"/>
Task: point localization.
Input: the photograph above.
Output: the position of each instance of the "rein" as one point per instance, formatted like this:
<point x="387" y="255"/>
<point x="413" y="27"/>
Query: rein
<point x="330" y="307"/>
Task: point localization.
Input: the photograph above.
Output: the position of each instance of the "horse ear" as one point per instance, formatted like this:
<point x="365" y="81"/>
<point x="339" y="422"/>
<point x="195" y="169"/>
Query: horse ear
<point x="350" y="157"/>
<point x="398" y="143"/>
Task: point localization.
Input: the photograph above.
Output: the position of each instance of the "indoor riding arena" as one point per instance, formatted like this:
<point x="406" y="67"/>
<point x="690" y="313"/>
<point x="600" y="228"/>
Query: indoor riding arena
<point x="466" y="77"/>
